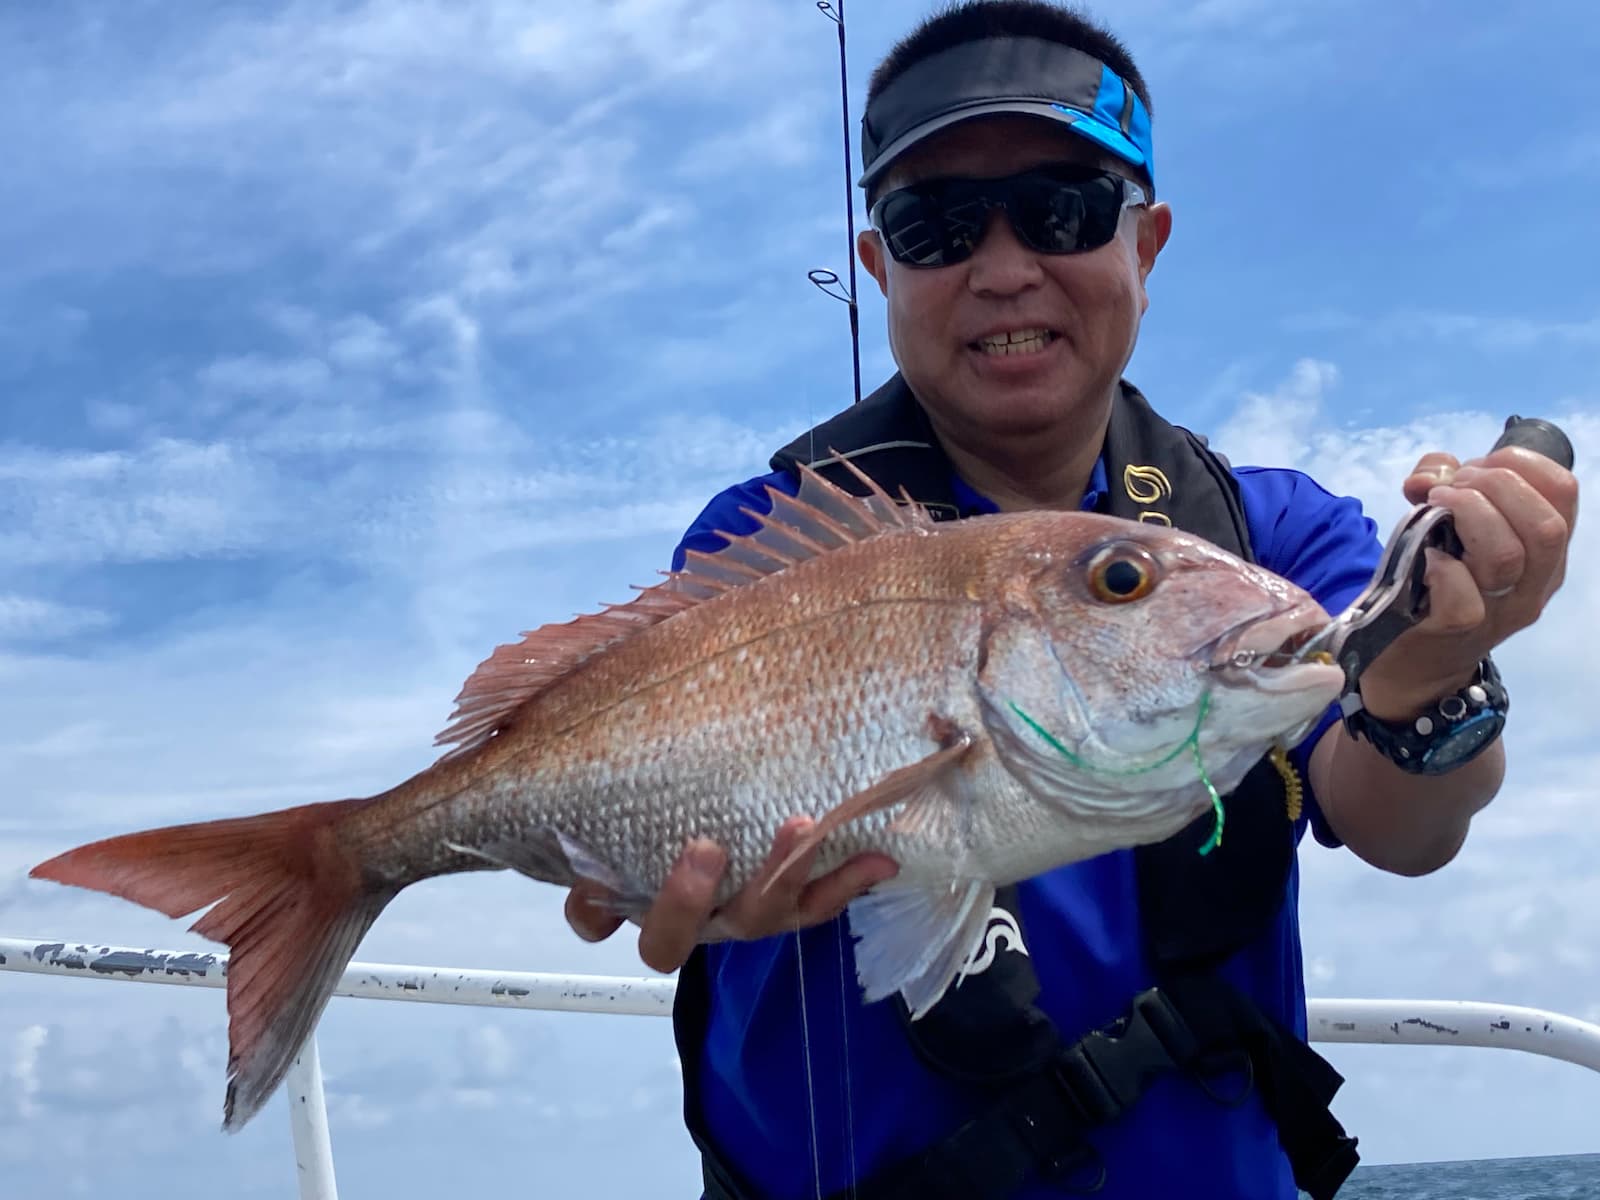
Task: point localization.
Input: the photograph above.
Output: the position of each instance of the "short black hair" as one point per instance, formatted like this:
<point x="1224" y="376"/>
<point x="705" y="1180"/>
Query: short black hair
<point x="974" y="20"/>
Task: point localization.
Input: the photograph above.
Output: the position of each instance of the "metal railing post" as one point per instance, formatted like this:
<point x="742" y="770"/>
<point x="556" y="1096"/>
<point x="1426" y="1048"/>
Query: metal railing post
<point x="308" y="1123"/>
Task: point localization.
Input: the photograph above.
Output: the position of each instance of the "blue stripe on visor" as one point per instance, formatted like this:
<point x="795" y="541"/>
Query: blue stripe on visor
<point x="1104" y="123"/>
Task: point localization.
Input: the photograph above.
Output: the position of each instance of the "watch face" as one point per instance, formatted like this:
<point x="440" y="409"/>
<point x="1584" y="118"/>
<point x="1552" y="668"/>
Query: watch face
<point x="1464" y="743"/>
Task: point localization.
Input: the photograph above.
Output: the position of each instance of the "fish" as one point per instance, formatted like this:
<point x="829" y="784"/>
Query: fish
<point x="981" y="700"/>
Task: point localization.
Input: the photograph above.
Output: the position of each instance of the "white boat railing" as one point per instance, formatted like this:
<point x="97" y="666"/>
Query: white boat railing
<point x="1374" y="1022"/>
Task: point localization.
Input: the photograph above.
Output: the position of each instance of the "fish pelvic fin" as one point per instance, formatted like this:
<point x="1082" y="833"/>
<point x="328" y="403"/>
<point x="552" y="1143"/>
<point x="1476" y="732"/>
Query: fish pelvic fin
<point x="288" y="899"/>
<point x="915" y="938"/>
<point x="822" y="517"/>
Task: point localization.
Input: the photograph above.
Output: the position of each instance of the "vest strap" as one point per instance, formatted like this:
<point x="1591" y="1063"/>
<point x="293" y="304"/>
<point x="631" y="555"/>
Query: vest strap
<point x="1038" y="1125"/>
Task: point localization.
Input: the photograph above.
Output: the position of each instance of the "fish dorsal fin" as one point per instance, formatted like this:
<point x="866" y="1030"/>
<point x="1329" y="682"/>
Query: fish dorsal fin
<point x="822" y="517"/>
<point x="518" y="671"/>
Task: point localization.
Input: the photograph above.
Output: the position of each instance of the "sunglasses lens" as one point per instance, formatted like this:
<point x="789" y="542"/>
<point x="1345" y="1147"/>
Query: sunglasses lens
<point x="931" y="227"/>
<point x="1066" y="216"/>
<point x="939" y="224"/>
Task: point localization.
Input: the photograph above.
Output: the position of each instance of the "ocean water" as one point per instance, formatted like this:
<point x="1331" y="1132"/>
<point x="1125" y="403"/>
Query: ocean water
<point x="1569" y="1177"/>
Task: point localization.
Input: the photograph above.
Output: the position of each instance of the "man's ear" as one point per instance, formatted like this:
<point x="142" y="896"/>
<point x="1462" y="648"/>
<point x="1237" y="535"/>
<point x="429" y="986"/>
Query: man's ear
<point x="869" y="249"/>
<point x="1155" y="227"/>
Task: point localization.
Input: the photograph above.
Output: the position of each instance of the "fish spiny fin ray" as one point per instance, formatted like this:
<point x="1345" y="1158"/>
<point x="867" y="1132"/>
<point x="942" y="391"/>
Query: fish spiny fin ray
<point x="821" y="518"/>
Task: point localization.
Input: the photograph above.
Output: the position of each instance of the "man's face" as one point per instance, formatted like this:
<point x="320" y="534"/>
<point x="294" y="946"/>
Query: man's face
<point x="1088" y="304"/>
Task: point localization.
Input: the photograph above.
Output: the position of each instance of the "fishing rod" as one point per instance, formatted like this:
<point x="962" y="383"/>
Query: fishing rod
<point x="828" y="281"/>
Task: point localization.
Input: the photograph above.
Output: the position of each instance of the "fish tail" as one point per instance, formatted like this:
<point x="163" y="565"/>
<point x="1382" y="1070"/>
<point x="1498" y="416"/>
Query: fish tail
<point x="290" y="901"/>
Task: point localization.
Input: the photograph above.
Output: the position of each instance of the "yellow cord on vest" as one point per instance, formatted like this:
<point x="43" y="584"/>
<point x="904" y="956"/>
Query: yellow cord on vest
<point x="1293" y="792"/>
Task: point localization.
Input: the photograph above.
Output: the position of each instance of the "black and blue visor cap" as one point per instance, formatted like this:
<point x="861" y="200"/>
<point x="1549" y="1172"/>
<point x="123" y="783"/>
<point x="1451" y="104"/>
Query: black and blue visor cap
<point x="1025" y="75"/>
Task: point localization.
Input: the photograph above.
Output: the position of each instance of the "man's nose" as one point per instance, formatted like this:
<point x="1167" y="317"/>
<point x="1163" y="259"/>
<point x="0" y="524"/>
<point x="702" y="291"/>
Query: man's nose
<point x="1002" y="265"/>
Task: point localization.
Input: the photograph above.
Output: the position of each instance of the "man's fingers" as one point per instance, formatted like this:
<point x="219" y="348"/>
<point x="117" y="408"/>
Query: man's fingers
<point x="769" y="902"/>
<point x="1455" y="605"/>
<point x="1535" y="519"/>
<point x="1431" y="471"/>
<point x="826" y="898"/>
<point x="589" y="919"/>
<point x="671" y="928"/>
<point x="1492" y="552"/>
<point x="1550" y="479"/>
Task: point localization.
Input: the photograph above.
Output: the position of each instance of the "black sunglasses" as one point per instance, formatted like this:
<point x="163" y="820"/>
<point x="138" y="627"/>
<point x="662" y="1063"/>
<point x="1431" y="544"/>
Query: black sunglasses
<point x="1053" y="209"/>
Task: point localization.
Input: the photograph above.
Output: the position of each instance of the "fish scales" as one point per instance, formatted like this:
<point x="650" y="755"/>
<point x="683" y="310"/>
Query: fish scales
<point x="803" y="690"/>
<point x="981" y="700"/>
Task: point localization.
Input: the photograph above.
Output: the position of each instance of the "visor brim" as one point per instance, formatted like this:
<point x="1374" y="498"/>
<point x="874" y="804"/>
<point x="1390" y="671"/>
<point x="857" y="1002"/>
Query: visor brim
<point x="1085" y="125"/>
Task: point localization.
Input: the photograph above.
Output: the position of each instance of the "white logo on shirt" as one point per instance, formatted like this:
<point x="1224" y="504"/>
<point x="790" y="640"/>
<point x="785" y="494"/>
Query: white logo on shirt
<point x="1002" y="930"/>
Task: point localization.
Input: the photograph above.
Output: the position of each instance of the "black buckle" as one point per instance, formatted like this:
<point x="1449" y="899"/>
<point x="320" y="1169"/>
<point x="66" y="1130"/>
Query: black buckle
<point x="1106" y="1071"/>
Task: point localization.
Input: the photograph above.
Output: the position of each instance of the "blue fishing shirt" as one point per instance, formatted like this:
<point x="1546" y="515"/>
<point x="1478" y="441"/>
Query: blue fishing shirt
<point x="841" y="1092"/>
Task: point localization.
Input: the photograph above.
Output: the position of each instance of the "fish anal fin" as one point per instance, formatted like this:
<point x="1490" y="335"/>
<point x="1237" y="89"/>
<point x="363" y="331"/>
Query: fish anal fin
<point x="915" y="938"/>
<point x="287" y="897"/>
<point x="922" y="786"/>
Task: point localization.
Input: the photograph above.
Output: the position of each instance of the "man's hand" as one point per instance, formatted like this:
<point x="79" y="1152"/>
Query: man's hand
<point x="684" y="913"/>
<point x="1514" y="513"/>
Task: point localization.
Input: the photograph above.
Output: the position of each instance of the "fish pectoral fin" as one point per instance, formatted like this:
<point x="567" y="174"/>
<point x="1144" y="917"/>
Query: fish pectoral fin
<point x="551" y="856"/>
<point x="915" y="939"/>
<point x="920" y="785"/>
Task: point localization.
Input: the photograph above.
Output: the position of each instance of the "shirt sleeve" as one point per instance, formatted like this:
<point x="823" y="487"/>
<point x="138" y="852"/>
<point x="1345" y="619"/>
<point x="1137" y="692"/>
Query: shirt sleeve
<point x="1325" y="544"/>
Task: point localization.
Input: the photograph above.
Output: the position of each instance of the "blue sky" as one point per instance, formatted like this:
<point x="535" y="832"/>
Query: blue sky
<point x="340" y="343"/>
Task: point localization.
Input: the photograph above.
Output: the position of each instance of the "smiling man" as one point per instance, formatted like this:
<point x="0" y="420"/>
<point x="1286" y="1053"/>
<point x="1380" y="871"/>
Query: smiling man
<point x="1133" y="1024"/>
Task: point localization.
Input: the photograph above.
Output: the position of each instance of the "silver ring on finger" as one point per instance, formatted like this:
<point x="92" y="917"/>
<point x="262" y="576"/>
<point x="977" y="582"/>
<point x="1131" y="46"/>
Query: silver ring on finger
<point x="1499" y="592"/>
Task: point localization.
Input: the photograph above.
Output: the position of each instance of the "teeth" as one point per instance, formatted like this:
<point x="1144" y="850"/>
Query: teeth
<point x="1016" y="341"/>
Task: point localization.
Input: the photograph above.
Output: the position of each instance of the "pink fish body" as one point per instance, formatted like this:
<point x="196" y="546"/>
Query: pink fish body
<point x="982" y="700"/>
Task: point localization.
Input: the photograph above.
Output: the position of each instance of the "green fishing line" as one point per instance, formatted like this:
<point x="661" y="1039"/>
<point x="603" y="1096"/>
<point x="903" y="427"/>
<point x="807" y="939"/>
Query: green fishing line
<point x="1192" y="742"/>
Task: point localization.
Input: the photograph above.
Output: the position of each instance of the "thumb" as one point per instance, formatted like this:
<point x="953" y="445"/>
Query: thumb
<point x="1431" y="470"/>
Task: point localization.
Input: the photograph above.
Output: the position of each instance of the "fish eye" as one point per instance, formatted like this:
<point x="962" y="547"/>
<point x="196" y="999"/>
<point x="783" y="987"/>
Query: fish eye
<point x="1122" y="573"/>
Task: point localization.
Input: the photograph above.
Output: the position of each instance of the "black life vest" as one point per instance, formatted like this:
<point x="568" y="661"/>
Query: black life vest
<point x="1196" y="910"/>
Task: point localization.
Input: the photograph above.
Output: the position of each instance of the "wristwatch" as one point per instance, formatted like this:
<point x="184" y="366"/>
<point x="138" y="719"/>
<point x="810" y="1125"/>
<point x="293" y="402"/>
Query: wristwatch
<point x="1451" y="733"/>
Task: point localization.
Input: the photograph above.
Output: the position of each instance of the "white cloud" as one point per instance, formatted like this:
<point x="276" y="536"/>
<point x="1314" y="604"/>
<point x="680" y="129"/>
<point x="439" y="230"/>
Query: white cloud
<point x="255" y="376"/>
<point x="788" y="135"/>
<point x="1504" y="332"/>
<point x="169" y="499"/>
<point x="494" y="139"/>
<point x="361" y="343"/>
<point x="1481" y="331"/>
<point x="28" y="618"/>
<point x="314" y="485"/>
<point x="25" y="1068"/>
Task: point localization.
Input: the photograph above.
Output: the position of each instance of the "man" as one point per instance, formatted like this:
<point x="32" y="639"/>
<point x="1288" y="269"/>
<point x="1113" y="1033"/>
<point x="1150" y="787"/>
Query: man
<point x="1013" y="240"/>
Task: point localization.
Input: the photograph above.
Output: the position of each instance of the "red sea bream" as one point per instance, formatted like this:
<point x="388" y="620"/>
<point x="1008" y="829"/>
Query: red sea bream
<point x="981" y="700"/>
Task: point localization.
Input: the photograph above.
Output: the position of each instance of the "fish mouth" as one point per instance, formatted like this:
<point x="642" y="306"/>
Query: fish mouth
<point x="1264" y="652"/>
